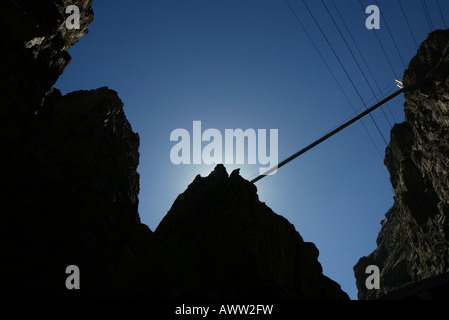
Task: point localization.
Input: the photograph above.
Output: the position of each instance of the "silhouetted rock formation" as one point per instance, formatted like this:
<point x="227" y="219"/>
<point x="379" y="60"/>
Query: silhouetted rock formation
<point x="71" y="195"/>
<point x="219" y="241"/>
<point x="68" y="165"/>
<point x="413" y="243"/>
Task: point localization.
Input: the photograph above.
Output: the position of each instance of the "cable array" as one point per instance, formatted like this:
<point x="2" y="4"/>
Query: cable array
<point x="363" y="59"/>
<point x="441" y="13"/>
<point x="355" y="59"/>
<point x="426" y="13"/>
<point x="392" y="38"/>
<point x="331" y="72"/>
<point x="408" y="24"/>
<point x="343" y="67"/>
<point x="382" y="47"/>
<point x="381" y="92"/>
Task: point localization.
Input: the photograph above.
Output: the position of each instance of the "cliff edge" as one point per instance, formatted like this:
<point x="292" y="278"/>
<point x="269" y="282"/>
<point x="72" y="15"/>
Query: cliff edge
<point x="413" y="243"/>
<point x="70" y="185"/>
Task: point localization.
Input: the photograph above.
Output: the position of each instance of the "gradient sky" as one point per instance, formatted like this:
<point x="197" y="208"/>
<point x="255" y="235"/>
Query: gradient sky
<point x="249" y="64"/>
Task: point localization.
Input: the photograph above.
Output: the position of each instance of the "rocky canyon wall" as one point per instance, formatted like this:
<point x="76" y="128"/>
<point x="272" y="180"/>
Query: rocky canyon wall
<point x="413" y="243"/>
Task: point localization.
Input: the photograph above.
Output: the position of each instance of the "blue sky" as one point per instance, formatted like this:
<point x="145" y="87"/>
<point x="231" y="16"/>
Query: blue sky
<point x="248" y="64"/>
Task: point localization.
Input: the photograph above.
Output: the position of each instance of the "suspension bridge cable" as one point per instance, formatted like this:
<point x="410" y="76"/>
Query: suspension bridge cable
<point x="355" y="59"/>
<point x="408" y="25"/>
<point x="329" y="135"/>
<point x="334" y="76"/>
<point x="426" y="13"/>
<point x="382" y="47"/>
<point x="363" y="58"/>
<point x="441" y="13"/>
<point x="392" y="38"/>
<point x="344" y="69"/>
<point x="255" y="173"/>
<point x="318" y="51"/>
<point x="429" y="15"/>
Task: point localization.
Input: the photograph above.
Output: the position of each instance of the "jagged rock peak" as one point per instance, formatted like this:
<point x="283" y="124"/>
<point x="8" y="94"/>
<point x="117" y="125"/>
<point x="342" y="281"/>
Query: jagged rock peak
<point x="219" y="170"/>
<point x="218" y="241"/>
<point x="233" y="186"/>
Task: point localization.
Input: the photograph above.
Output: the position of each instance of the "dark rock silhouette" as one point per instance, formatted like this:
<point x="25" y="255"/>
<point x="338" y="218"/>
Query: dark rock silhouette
<point x="414" y="240"/>
<point x="219" y="241"/>
<point x="236" y="172"/>
<point x="69" y="166"/>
